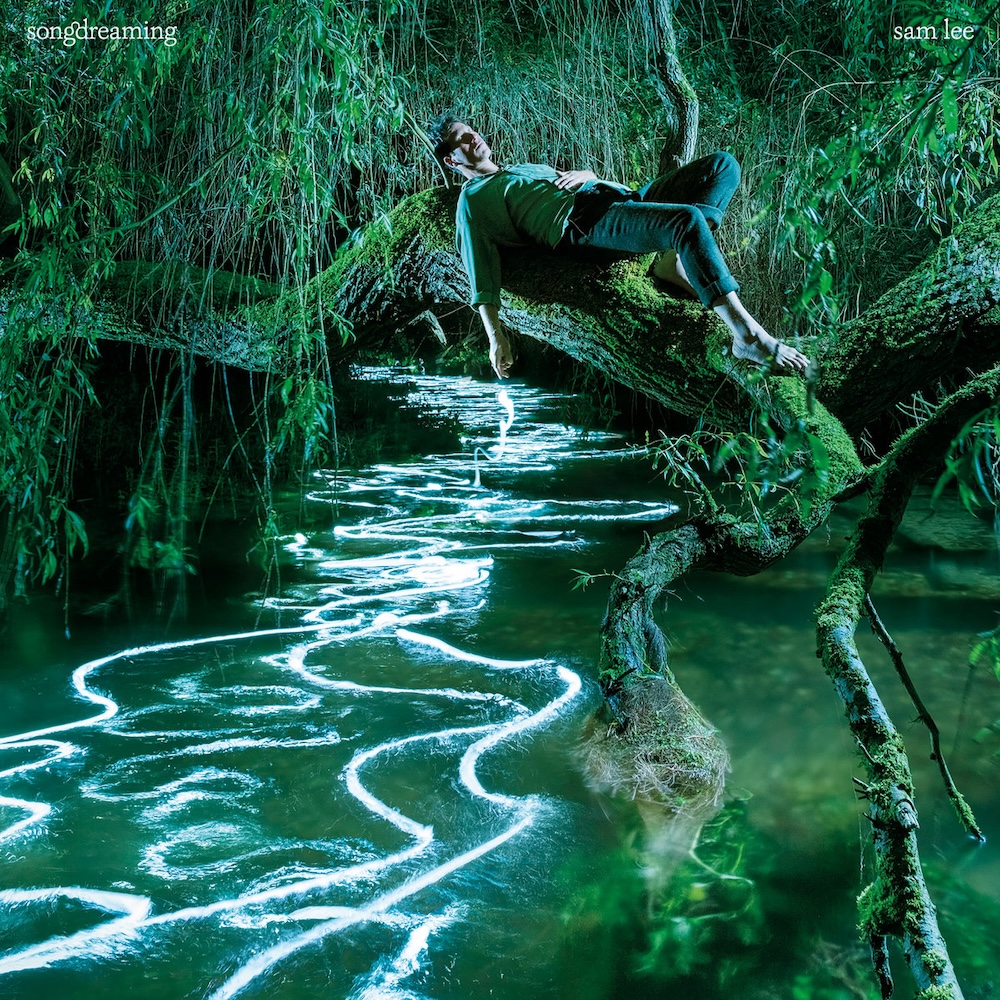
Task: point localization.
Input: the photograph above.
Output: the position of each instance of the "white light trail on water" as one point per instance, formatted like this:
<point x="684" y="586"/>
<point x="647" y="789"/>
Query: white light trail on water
<point x="503" y="398"/>
<point x="383" y="983"/>
<point x="202" y="776"/>
<point x="528" y="808"/>
<point x="467" y="768"/>
<point x="294" y="660"/>
<point x="86" y="942"/>
<point x="388" y="573"/>
<point x="135" y="920"/>
<point x="261" y="963"/>
<point x="37" y="811"/>
<point x="80" y="675"/>
<point x="60" y="751"/>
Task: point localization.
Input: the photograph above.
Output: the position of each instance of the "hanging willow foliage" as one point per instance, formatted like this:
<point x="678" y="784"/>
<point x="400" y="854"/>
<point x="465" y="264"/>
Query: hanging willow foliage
<point x="234" y="145"/>
<point x="253" y="138"/>
<point x="169" y="175"/>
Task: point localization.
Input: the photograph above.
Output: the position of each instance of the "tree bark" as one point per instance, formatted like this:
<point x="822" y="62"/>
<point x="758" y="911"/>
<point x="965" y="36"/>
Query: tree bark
<point x="897" y="902"/>
<point x="940" y="321"/>
<point x="675" y="89"/>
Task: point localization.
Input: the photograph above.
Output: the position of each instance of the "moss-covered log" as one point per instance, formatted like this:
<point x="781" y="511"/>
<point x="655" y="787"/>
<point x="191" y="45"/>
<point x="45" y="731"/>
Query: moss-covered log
<point x="941" y="320"/>
<point x="897" y="902"/>
<point x="633" y="649"/>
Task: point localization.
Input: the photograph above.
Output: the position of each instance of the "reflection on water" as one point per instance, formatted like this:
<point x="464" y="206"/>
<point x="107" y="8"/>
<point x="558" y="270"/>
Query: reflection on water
<point x="375" y="797"/>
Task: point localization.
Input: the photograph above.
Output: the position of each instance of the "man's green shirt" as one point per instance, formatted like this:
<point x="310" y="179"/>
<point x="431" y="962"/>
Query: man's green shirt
<point x="516" y="207"/>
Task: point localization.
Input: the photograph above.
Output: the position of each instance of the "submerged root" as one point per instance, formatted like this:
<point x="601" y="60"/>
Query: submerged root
<point x="666" y="753"/>
<point x="669" y="762"/>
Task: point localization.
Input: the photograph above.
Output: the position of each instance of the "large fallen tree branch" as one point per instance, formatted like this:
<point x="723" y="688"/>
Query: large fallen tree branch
<point x="941" y="320"/>
<point x="611" y="317"/>
<point x="684" y="758"/>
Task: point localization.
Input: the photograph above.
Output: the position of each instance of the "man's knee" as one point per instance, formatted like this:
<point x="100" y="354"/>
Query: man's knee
<point x="725" y="165"/>
<point x="686" y="219"/>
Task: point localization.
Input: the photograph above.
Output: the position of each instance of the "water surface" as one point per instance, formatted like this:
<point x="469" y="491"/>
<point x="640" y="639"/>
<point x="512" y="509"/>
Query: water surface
<point x="367" y="785"/>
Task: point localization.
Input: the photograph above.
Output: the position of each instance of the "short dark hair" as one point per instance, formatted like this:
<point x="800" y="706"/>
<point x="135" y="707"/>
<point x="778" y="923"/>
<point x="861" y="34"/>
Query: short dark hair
<point x="439" y="133"/>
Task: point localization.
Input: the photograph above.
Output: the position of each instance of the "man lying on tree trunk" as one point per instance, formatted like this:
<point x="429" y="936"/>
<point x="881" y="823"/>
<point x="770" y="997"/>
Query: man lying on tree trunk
<point x="531" y="203"/>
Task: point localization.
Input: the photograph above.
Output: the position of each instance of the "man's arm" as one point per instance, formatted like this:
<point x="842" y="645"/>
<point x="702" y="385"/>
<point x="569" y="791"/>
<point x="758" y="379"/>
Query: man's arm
<point x="501" y="356"/>
<point x="481" y="258"/>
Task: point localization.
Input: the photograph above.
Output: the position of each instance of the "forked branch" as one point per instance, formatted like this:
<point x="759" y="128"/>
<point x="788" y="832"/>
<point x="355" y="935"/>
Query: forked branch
<point x="965" y="814"/>
<point x="897" y="902"/>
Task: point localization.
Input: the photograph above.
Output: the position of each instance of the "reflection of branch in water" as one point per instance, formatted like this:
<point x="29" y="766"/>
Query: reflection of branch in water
<point x="704" y="902"/>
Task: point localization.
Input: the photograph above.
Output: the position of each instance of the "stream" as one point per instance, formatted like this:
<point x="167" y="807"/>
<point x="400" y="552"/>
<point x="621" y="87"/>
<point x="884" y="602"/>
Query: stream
<point x="367" y="786"/>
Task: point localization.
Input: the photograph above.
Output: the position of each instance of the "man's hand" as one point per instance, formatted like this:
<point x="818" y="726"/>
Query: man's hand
<point x="501" y="356"/>
<point x="570" y="180"/>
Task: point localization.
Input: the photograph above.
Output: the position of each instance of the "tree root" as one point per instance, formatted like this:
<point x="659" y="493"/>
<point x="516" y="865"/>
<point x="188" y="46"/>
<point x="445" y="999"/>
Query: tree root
<point x="666" y="753"/>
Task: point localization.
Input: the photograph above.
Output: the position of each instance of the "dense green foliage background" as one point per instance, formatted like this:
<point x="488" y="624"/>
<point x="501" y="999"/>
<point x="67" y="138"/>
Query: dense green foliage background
<point x="273" y="134"/>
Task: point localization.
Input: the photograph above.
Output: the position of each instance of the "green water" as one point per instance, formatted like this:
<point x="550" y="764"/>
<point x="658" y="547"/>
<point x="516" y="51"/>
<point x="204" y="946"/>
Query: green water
<point x="381" y="798"/>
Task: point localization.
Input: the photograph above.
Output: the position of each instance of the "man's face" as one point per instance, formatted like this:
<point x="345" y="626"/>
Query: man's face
<point x="468" y="148"/>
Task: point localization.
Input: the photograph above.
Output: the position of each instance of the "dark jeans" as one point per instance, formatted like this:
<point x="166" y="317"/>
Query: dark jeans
<point x="675" y="211"/>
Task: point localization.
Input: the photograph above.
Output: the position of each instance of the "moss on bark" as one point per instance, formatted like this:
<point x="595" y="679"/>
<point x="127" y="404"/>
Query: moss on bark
<point x="940" y="320"/>
<point x="211" y="313"/>
<point x="163" y="288"/>
<point x="401" y="267"/>
<point x="897" y="902"/>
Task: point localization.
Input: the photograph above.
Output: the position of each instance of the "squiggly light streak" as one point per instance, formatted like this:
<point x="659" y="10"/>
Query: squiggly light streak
<point x="37" y="811"/>
<point x="84" y="941"/>
<point x="382" y="985"/>
<point x="80" y="675"/>
<point x="133" y="909"/>
<point x="261" y="963"/>
<point x="503" y="398"/>
<point x="428" y="565"/>
<point x="423" y="835"/>
<point x="294" y="660"/>
<point x="467" y="768"/>
<point x="60" y="752"/>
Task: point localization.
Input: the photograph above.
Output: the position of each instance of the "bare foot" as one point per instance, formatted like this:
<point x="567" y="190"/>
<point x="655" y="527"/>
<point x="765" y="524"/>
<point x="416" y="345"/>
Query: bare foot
<point x="763" y="349"/>
<point x="667" y="267"/>
<point x="751" y="342"/>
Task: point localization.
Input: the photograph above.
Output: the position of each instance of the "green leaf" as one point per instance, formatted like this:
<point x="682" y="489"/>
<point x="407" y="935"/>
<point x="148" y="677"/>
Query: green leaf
<point x="949" y="108"/>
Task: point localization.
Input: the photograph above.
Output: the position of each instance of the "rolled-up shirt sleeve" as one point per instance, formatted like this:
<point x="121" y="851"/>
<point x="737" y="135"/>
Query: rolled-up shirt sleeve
<point x="481" y="258"/>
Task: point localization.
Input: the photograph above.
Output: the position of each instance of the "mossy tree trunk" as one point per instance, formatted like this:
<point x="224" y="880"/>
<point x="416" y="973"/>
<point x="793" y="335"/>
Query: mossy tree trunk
<point x="675" y="89"/>
<point x="930" y="330"/>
